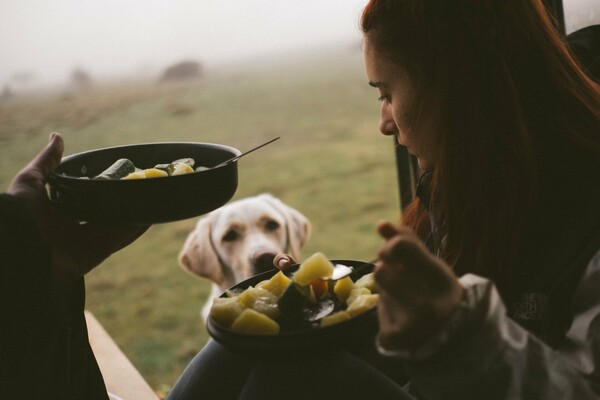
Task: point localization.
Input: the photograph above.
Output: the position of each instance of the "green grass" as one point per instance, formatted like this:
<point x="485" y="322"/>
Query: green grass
<point x="330" y="163"/>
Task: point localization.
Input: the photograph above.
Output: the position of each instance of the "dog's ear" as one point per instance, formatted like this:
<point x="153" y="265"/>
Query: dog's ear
<point x="298" y="226"/>
<point x="198" y="256"/>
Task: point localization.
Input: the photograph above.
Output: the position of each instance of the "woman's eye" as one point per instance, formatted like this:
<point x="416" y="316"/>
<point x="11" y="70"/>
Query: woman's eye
<point x="385" y="97"/>
<point x="272" y="225"/>
<point x="230" y="236"/>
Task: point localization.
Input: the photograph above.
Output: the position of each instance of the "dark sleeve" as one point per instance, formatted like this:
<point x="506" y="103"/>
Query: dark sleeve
<point x="24" y="270"/>
<point x="24" y="284"/>
<point x="44" y="348"/>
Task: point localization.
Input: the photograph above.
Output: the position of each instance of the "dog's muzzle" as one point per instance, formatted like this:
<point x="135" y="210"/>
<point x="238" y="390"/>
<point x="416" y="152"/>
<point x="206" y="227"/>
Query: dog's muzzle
<point x="262" y="261"/>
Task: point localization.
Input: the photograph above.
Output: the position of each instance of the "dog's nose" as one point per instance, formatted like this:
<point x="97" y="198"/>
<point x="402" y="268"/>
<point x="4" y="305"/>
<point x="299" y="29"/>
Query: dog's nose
<point x="263" y="262"/>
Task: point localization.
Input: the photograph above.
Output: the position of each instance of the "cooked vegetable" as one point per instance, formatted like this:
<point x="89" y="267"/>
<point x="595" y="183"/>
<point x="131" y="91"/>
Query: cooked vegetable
<point x="181" y="169"/>
<point x="225" y="310"/>
<point x="362" y="303"/>
<point x="314" y="267"/>
<point x="154" y="173"/>
<point x="281" y="303"/>
<point x="355" y="292"/>
<point x="118" y="170"/>
<point x="125" y="169"/>
<point x="342" y="288"/>
<point x="260" y="300"/>
<point x="277" y="284"/>
<point x="253" y="322"/>
<point x="178" y="167"/>
<point x="135" y="175"/>
<point x="187" y="161"/>
<point x="335" y="318"/>
<point x="366" y="281"/>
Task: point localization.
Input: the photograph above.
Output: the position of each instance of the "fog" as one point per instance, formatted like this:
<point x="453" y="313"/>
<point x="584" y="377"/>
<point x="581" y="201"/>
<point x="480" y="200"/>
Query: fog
<point x="43" y="41"/>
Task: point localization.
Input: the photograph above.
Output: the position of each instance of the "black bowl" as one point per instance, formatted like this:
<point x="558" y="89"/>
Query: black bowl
<point x="351" y="334"/>
<point x="144" y="201"/>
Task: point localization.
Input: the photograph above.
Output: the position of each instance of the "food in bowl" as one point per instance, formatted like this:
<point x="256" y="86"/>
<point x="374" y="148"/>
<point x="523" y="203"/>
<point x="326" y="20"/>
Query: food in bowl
<point x="307" y="298"/>
<point x="124" y="169"/>
<point x="75" y="193"/>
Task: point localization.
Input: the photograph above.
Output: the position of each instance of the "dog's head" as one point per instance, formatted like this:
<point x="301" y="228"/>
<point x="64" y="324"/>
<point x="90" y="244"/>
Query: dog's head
<point x="241" y="239"/>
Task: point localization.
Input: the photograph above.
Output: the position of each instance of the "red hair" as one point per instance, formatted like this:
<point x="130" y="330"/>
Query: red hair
<point x="512" y="99"/>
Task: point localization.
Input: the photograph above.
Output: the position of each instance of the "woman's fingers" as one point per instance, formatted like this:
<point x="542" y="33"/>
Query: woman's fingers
<point x="283" y="261"/>
<point x="417" y="290"/>
<point x="387" y="229"/>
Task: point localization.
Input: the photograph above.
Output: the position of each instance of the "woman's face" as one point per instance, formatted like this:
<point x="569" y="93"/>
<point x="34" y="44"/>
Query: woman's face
<point x="397" y="96"/>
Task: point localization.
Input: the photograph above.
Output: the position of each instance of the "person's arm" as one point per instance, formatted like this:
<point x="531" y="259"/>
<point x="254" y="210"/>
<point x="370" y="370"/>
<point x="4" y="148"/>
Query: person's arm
<point x="484" y="354"/>
<point x="44" y="348"/>
<point x="75" y="248"/>
<point x="25" y="276"/>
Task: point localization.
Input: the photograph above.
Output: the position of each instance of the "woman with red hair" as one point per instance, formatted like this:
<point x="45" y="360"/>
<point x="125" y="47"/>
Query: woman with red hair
<point x="488" y="283"/>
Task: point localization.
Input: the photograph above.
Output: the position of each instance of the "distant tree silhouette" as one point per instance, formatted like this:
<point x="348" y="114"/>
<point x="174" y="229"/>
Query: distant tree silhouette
<point x="81" y="80"/>
<point x="7" y="93"/>
<point x="182" y="71"/>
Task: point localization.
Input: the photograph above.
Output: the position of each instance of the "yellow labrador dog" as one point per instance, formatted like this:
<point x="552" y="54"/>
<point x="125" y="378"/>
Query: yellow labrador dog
<point x="241" y="239"/>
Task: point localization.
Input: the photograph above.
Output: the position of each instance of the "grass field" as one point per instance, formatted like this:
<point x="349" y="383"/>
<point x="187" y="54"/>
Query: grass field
<point x="330" y="163"/>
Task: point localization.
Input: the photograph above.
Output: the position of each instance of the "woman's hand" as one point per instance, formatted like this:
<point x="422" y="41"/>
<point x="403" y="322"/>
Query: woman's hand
<point x="283" y="261"/>
<point x="418" y="292"/>
<point x="75" y="248"/>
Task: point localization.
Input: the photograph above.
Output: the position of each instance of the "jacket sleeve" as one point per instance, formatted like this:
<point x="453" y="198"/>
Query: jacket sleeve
<point x="24" y="285"/>
<point x="24" y="263"/>
<point x="44" y="345"/>
<point x="483" y="354"/>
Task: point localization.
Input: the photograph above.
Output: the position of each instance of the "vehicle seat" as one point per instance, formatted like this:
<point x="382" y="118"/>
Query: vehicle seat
<point x="585" y="45"/>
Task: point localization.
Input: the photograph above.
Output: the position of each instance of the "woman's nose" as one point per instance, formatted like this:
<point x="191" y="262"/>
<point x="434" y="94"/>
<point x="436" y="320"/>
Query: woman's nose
<point x="387" y="126"/>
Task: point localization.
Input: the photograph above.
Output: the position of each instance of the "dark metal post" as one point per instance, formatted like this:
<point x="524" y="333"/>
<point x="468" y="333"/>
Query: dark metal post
<point x="408" y="174"/>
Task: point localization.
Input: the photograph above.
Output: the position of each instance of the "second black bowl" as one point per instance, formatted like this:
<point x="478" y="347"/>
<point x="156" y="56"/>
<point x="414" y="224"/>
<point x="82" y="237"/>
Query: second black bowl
<point x="351" y="334"/>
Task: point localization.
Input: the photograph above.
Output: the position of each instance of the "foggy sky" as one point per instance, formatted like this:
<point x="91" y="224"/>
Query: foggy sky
<point x="48" y="38"/>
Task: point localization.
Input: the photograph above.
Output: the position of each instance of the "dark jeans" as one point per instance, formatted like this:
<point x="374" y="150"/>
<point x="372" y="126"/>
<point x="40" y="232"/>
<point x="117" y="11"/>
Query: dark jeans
<point x="218" y="373"/>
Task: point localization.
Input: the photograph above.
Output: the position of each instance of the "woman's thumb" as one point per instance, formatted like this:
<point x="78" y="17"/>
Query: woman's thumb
<point x="49" y="158"/>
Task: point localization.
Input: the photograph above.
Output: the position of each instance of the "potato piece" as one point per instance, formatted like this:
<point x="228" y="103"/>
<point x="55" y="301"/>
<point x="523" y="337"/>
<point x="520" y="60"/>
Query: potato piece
<point x="342" y="288"/>
<point x="314" y="267"/>
<point x="335" y="318"/>
<point x="362" y="303"/>
<point x="135" y="175"/>
<point x="355" y="292"/>
<point x="225" y="310"/>
<point x="276" y="285"/>
<point x="253" y="322"/>
<point x="367" y="281"/>
<point x="261" y="300"/>
<point x="154" y="173"/>
<point x="181" y="169"/>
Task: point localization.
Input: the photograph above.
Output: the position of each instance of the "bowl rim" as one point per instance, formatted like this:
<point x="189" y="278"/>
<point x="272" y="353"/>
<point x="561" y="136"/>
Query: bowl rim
<point x="55" y="175"/>
<point x="281" y="340"/>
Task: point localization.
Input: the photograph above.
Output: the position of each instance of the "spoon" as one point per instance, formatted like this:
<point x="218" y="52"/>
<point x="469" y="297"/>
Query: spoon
<point x="243" y="154"/>
<point x="341" y="271"/>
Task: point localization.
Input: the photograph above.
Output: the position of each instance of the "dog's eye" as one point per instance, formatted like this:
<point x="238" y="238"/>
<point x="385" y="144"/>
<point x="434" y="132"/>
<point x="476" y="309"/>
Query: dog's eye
<point x="230" y="236"/>
<point x="272" y="225"/>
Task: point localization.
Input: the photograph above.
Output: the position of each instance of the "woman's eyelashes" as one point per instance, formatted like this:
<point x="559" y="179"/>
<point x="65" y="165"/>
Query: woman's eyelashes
<point x="385" y="97"/>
